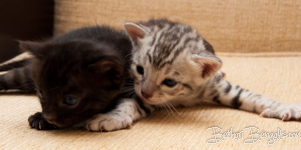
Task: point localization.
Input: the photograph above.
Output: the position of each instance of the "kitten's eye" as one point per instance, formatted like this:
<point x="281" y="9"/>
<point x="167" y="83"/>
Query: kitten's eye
<point x="70" y="101"/>
<point x="40" y="94"/>
<point x="169" y="82"/>
<point x="140" y="70"/>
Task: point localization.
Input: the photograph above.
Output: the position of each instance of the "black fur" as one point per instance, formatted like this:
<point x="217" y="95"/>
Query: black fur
<point x="89" y="64"/>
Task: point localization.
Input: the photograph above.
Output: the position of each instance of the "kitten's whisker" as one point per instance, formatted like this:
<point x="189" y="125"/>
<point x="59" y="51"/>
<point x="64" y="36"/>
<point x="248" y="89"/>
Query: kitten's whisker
<point x="174" y="108"/>
<point x="128" y="87"/>
<point x="128" y="55"/>
<point x="166" y="104"/>
<point x="129" y="95"/>
<point x="127" y="90"/>
<point x="167" y="109"/>
<point x="128" y="60"/>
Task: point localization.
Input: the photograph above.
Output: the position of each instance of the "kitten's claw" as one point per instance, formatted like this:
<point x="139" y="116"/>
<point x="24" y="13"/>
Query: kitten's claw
<point x="37" y="121"/>
<point x="108" y="122"/>
<point x="286" y="112"/>
<point x="285" y="117"/>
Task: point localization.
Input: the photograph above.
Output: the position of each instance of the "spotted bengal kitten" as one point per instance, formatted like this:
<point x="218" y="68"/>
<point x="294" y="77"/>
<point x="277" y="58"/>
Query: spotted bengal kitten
<point x="172" y="66"/>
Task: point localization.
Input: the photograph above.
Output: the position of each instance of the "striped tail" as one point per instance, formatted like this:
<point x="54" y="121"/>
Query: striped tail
<point x="16" y="62"/>
<point x="17" y="79"/>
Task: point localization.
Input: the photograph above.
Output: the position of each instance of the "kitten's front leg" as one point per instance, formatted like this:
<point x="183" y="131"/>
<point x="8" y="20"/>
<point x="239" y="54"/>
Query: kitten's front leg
<point x="127" y="111"/>
<point x="38" y="122"/>
<point x="237" y="97"/>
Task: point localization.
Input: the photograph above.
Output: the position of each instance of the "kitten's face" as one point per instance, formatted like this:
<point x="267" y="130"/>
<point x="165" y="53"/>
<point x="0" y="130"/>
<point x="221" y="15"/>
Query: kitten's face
<point x="74" y="82"/>
<point x="171" y="82"/>
<point x="166" y="63"/>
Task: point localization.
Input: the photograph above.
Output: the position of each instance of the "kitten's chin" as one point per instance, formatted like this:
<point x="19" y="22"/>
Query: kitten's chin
<point x="152" y="101"/>
<point x="62" y="126"/>
<point x="59" y="125"/>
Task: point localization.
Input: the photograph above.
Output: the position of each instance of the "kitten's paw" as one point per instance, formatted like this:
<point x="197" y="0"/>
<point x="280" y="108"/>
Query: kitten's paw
<point x="38" y="122"/>
<point x="287" y="112"/>
<point x="108" y="122"/>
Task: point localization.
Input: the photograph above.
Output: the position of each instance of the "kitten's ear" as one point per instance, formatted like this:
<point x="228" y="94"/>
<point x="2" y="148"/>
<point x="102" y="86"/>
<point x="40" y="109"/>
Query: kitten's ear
<point x="111" y="69"/>
<point x="209" y="66"/>
<point x="32" y="47"/>
<point x="135" y="31"/>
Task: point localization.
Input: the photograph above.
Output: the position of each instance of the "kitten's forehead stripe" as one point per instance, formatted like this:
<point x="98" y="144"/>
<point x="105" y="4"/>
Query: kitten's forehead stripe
<point x="154" y="39"/>
<point x="149" y="58"/>
<point x="168" y="40"/>
<point x="165" y="47"/>
<point x="167" y="71"/>
<point x="208" y="46"/>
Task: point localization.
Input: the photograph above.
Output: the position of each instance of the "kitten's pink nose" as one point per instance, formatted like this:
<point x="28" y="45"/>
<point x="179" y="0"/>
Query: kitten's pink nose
<point x="146" y="94"/>
<point x="148" y="88"/>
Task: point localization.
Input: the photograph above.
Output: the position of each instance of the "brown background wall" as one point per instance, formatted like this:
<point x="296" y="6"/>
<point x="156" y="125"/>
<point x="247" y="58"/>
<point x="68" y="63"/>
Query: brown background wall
<point x="229" y="25"/>
<point x="23" y="20"/>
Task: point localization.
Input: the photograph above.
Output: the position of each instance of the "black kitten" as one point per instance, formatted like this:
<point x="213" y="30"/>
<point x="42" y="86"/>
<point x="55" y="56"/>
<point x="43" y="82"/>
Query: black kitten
<point x="75" y="75"/>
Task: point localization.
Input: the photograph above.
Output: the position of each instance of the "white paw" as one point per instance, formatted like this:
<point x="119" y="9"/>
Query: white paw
<point x="108" y="122"/>
<point x="287" y="112"/>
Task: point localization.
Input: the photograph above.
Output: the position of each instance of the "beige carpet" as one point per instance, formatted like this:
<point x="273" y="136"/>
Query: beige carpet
<point x="268" y="27"/>
<point x="275" y="77"/>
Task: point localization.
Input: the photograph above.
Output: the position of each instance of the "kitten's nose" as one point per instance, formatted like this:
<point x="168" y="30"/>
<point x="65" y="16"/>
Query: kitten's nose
<point x="148" y="89"/>
<point x="49" y="117"/>
<point x="146" y="95"/>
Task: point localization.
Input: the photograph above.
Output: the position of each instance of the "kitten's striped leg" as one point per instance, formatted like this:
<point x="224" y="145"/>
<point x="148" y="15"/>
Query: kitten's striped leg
<point x="127" y="111"/>
<point x="19" y="61"/>
<point x="18" y="78"/>
<point x="237" y="97"/>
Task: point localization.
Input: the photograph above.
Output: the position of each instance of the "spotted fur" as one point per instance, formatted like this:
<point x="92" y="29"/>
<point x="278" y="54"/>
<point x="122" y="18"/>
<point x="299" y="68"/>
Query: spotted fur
<point x="173" y="66"/>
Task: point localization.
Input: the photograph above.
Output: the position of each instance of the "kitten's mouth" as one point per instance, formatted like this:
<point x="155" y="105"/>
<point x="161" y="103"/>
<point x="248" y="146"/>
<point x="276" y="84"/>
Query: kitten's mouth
<point x="151" y="100"/>
<point x="58" y="123"/>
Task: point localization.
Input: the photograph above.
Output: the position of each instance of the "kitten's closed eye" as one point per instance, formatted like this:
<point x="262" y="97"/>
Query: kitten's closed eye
<point x="70" y="100"/>
<point x="170" y="82"/>
<point x="140" y="70"/>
